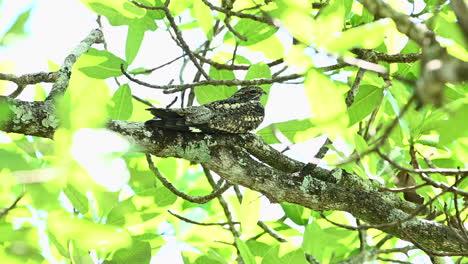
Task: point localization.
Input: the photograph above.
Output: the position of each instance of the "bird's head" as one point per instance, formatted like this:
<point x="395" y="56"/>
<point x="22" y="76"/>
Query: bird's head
<point x="249" y="93"/>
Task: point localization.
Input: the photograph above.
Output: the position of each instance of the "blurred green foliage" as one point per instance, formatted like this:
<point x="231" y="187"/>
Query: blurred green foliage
<point x="70" y="205"/>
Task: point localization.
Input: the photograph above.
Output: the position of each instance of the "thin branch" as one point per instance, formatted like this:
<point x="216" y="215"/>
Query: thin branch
<point x="393" y="260"/>
<point x="200" y="223"/>
<point x="229" y="12"/>
<point x="61" y="84"/>
<point x="403" y="189"/>
<point x="176" y="30"/>
<point x="271" y="232"/>
<point x="172" y="88"/>
<point x="226" y="211"/>
<point x="381" y="140"/>
<point x="162" y="65"/>
<point x="423" y="172"/>
<point x="4" y="211"/>
<point x="193" y="199"/>
<point x="355" y="87"/>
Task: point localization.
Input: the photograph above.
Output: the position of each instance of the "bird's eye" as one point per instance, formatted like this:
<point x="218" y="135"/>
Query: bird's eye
<point x="252" y="92"/>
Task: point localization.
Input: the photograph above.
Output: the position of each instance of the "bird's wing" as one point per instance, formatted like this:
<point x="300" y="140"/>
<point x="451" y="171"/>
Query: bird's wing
<point x="165" y="113"/>
<point x="182" y="119"/>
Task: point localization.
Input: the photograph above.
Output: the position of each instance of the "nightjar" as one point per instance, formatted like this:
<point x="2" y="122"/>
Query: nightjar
<point x="240" y="113"/>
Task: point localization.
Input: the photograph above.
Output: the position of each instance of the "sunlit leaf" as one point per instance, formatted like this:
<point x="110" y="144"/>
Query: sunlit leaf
<point x="250" y="209"/>
<point x="96" y="236"/>
<point x="139" y="253"/>
<point x="118" y="12"/>
<point x="17" y="31"/>
<point x="322" y="93"/>
<point x="296" y="131"/>
<point x="245" y="252"/>
<point x="295" y="213"/>
<point x="123" y="105"/>
<point x="252" y="30"/>
<point x="210" y="93"/>
<point x="367" y="36"/>
<point x="77" y="199"/>
<point x="135" y="36"/>
<point x="204" y="17"/>
<point x="100" y="64"/>
<point x="364" y="103"/>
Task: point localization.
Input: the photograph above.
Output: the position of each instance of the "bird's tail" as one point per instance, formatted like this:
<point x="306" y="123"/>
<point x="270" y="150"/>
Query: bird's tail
<point x="173" y="124"/>
<point x="163" y="113"/>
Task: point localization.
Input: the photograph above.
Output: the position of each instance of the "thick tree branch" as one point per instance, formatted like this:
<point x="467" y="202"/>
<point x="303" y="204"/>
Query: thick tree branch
<point x="319" y="190"/>
<point x="61" y="84"/>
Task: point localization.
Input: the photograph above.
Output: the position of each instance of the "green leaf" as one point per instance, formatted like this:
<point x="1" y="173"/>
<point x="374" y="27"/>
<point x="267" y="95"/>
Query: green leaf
<point x="39" y="93"/>
<point x="244" y="250"/>
<point x="78" y="255"/>
<point x="284" y="253"/>
<point x="17" y="30"/>
<point x="323" y="93"/>
<point x="253" y="31"/>
<point x="13" y="161"/>
<point x="272" y="47"/>
<point x="138" y="253"/>
<point x="135" y="36"/>
<point x="5" y="112"/>
<point x="457" y="120"/>
<point x="77" y="199"/>
<point x="368" y="36"/>
<point x="314" y="237"/>
<point x="250" y="210"/>
<point x="296" y="131"/>
<point x="86" y="234"/>
<point x="210" y="93"/>
<point x="142" y="206"/>
<point x="118" y="12"/>
<point x="204" y="17"/>
<point x="296" y="213"/>
<point x="100" y="64"/>
<point x="123" y="105"/>
<point x="364" y="103"/>
<point x="330" y="20"/>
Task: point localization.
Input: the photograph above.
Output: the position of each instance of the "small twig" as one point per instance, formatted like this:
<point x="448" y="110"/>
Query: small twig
<point x="403" y="189"/>
<point x="172" y="103"/>
<point x="381" y="140"/>
<point x="423" y="173"/>
<point x="226" y="211"/>
<point x="143" y="101"/>
<point x="193" y="199"/>
<point x="162" y="65"/>
<point x="460" y="223"/>
<point x="4" y="211"/>
<point x="176" y="30"/>
<point x="229" y="12"/>
<point x="355" y="87"/>
<point x="200" y="223"/>
<point x="271" y="232"/>
<point x="232" y="30"/>
<point x="393" y="260"/>
<point x="173" y="88"/>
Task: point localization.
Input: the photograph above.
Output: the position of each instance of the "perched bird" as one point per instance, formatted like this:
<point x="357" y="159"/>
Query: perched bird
<point x="240" y="113"/>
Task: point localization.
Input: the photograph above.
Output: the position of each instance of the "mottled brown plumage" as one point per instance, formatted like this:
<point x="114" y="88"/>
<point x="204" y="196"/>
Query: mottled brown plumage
<point x="240" y="113"/>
